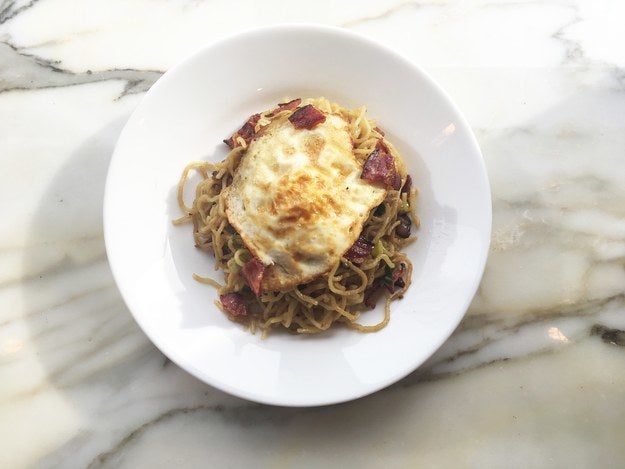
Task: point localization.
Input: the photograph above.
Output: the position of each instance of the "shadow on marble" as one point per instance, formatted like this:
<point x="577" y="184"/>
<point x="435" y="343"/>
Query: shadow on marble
<point x="76" y="314"/>
<point x="82" y="331"/>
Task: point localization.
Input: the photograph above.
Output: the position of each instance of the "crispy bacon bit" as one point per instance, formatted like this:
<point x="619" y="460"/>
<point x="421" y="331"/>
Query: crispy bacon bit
<point x="397" y="277"/>
<point x="403" y="229"/>
<point x="407" y="185"/>
<point x="234" y="304"/>
<point x="379" y="130"/>
<point x="246" y="132"/>
<point x="307" y="117"/>
<point x="380" y="167"/>
<point x="253" y="272"/>
<point x="391" y="280"/>
<point x="360" y="251"/>
<point x="285" y="107"/>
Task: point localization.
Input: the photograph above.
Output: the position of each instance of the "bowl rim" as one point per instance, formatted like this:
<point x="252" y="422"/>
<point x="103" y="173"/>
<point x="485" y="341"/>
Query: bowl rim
<point x="297" y="28"/>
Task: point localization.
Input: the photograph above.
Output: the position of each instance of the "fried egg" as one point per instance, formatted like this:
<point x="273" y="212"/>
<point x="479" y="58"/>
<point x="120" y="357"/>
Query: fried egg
<point x="297" y="200"/>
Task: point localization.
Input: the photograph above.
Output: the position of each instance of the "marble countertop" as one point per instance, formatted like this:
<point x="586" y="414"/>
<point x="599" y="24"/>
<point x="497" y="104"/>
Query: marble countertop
<point x="534" y="375"/>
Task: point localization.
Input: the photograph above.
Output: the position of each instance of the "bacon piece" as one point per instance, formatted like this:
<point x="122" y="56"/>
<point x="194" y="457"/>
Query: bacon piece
<point x="403" y="229"/>
<point x="379" y="130"/>
<point x="380" y="167"/>
<point x="391" y="280"/>
<point x="407" y="185"/>
<point x="246" y="132"/>
<point x="360" y="251"/>
<point x="253" y="272"/>
<point x="285" y="107"/>
<point x="307" y="117"/>
<point x="397" y="278"/>
<point x="234" y="304"/>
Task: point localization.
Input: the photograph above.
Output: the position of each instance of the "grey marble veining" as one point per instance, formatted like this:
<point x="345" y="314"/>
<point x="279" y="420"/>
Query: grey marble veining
<point x="22" y="71"/>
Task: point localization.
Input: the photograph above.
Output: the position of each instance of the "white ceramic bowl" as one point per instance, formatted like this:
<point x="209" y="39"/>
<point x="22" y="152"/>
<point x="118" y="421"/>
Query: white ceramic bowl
<point x="186" y="115"/>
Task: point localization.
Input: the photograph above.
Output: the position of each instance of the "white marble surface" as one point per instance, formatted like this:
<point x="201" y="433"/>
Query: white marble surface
<point x="533" y="377"/>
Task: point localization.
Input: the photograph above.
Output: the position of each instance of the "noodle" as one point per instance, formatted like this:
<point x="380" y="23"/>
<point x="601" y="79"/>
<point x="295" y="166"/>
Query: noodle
<point x="338" y="296"/>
